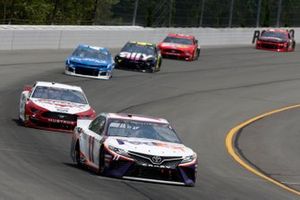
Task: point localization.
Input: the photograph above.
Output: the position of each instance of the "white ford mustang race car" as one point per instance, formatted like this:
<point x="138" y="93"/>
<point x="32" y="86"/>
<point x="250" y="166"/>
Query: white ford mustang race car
<point x="133" y="147"/>
<point x="53" y="106"/>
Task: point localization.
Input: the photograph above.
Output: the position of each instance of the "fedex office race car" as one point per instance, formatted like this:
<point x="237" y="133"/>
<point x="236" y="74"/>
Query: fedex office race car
<point x="53" y="106"/>
<point x="133" y="147"/>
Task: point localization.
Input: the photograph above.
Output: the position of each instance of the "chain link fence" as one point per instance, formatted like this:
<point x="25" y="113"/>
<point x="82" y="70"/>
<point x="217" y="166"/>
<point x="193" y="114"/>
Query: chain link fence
<point x="153" y="13"/>
<point x="219" y="13"/>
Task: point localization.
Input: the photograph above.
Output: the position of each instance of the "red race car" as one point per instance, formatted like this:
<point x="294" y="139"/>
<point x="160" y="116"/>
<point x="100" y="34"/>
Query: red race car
<point x="180" y="46"/>
<point x="280" y="40"/>
<point x="53" y="106"/>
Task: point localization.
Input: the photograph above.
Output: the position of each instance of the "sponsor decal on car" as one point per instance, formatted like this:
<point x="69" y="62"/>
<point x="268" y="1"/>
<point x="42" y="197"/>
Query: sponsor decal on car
<point x="158" y="144"/>
<point x="61" y="121"/>
<point x="135" y="56"/>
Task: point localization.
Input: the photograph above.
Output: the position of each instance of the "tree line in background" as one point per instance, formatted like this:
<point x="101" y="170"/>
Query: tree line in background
<point x="152" y="13"/>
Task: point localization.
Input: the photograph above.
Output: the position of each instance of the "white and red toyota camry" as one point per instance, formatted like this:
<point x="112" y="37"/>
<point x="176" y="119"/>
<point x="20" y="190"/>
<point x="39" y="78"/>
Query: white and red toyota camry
<point x="133" y="147"/>
<point x="53" y="106"/>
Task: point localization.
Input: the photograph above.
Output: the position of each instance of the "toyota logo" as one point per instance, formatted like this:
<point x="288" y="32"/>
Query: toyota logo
<point x="156" y="159"/>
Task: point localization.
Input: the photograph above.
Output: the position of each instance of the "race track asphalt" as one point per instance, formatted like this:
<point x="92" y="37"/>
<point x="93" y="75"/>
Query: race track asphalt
<point x="203" y="100"/>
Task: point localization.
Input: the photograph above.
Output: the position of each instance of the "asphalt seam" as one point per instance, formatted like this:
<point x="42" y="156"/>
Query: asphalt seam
<point x="208" y="91"/>
<point x="230" y="143"/>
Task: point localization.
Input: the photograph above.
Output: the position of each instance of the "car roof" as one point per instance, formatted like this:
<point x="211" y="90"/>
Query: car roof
<point x="136" y="117"/>
<point x="277" y="30"/>
<point x="181" y="36"/>
<point x="142" y="43"/>
<point x="93" y="47"/>
<point x="58" y="85"/>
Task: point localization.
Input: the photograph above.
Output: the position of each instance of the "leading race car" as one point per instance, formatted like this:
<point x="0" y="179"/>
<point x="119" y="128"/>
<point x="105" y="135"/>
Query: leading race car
<point x="90" y="61"/>
<point x="139" y="55"/>
<point x="180" y="46"/>
<point x="53" y="106"/>
<point x="133" y="147"/>
<point x="280" y="40"/>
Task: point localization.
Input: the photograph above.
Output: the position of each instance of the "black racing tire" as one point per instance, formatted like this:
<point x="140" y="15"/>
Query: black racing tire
<point x="294" y="45"/>
<point x="21" y="122"/>
<point x="159" y="64"/>
<point x="101" y="162"/>
<point x="117" y="66"/>
<point x="150" y="70"/>
<point x="77" y="155"/>
<point x="197" y="54"/>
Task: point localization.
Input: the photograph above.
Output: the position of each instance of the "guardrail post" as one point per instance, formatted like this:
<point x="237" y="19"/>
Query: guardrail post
<point x="279" y="13"/>
<point x="135" y="12"/>
<point x="170" y="13"/>
<point x="258" y="13"/>
<point x="202" y="11"/>
<point x="230" y="14"/>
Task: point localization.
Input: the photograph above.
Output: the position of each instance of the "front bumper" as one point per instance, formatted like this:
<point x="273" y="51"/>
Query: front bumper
<point x="273" y="46"/>
<point x="118" y="166"/>
<point x="88" y="72"/>
<point x="135" y="64"/>
<point x="176" y="54"/>
<point x="50" y="121"/>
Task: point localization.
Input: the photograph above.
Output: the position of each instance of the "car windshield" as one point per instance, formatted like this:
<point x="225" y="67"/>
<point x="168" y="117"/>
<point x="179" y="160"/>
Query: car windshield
<point x="280" y="35"/>
<point x="148" y="130"/>
<point x="133" y="47"/>
<point x="178" y="40"/>
<point x="90" y="52"/>
<point x="53" y="93"/>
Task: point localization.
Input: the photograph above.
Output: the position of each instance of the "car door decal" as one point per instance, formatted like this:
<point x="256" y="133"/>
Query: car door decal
<point x="91" y="148"/>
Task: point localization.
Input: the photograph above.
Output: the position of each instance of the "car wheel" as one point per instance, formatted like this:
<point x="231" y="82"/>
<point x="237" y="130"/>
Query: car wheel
<point x="101" y="162"/>
<point x="294" y="45"/>
<point x="150" y="70"/>
<point x="197" y="54"/>
<point x="159" y="64"/>
<point x="23" y="121"/>
<point x="77" y="155"/>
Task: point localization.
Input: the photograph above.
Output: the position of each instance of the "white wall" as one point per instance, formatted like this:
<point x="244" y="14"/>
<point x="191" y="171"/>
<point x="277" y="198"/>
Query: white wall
<point x="63" y="37"/>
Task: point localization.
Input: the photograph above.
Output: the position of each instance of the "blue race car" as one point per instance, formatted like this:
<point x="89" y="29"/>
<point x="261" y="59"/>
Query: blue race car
<point x="90" y="61"/>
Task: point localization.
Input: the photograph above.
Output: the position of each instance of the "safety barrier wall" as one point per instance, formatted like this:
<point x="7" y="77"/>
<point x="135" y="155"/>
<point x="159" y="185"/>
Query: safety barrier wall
<point x="64" y="37"/>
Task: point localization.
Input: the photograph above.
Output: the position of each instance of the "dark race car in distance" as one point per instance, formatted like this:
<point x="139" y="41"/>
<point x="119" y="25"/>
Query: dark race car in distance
<point x="280" y="40"/>
<point x="139" y="56"/>
<point x="90" y="61"/>
<point x="180" y="46"/>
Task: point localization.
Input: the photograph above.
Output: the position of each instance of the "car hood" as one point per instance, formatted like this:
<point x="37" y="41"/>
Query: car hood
<point x="90" y="61"/>
<point x="176" y="46"/>
<point x="61" y="106"/>
<point x="148" y="146"/>
<point x="272" y="39"/>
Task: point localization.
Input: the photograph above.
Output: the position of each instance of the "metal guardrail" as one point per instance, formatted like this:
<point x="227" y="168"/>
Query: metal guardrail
<point x="62" y="37"/>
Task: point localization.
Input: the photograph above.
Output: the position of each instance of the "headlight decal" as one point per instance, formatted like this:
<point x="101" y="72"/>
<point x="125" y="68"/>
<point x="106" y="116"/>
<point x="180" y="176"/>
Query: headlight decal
<point x="119" y="151"/>
<point x="188" y="159"/>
